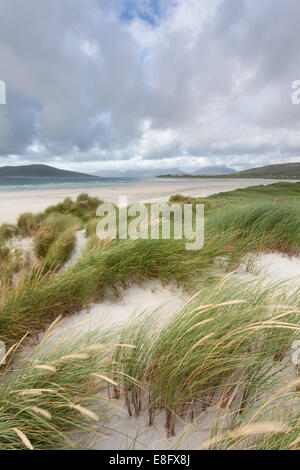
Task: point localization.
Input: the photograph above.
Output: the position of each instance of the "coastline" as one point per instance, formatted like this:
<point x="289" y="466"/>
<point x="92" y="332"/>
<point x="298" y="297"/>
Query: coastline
<point x="14" y="203"/>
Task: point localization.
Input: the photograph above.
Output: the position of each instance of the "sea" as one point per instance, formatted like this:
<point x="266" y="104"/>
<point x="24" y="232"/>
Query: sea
<point x="29" y="184"/>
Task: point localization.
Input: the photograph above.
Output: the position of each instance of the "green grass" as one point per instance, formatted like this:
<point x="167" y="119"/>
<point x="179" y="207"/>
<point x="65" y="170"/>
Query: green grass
<point x="230" y="232"/>
<point x="60" y="250"/>
<point x="210" y="204"/>
<point x="227" y="348"/>
<point x="37" y="299"/>
<point x="265" y="226"/>
<point x="55" y="240"/>
<point x="55" y="392"/>
<point x="91" y="226"/>
<point x="8" y="231"/>
<point x="28" y="223"/>
<point x="84" y="207"/>
<point x="53" y="226"/>
<point x="259" y="218"/>
<point x="273" y="192"/>
<point x="11" y="262"/>
<point x="227" y="343"/>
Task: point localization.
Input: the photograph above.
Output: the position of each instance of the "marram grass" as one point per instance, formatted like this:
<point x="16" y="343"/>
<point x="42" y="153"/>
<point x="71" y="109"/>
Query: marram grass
<point x="54" y="399"/>
<point x="225" y="351"/>
<point x="229" y="349"/>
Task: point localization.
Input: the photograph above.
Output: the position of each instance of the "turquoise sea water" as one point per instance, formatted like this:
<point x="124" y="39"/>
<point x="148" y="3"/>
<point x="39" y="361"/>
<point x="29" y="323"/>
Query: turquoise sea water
<point x="29" y="184"/>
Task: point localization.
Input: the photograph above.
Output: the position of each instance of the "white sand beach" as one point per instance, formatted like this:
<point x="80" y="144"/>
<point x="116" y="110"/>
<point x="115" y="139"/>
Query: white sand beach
<point x="14" y="203"/>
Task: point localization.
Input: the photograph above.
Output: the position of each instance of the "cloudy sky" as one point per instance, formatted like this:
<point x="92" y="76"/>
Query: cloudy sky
<point x="115" y="84"/>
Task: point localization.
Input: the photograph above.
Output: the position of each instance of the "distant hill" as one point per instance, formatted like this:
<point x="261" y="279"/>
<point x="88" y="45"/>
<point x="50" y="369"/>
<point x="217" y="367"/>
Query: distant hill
<point x="204" y="172"/>
<point x="141" y="173"/>
<point x="213" y="170"/>
<point x="39" y="171"/>
<point x="279" y="171"/>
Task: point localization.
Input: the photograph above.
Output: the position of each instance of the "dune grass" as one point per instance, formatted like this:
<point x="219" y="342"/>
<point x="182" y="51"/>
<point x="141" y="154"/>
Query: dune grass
<point x="210" y="204"/>
<point x="91" y="226"/>
<point x="276" y="192"/>
<point x="60" y="250"/>
<point x="226" y="349"/>
<point x="56" y="391"/>
<point x="259" y="218"/>
<point x="11" y="262"/>
<point x="55" y="240"/>
<point x="39" y="298"/>
<point x="28" y="223"/>
<point x="268" y="226"/>
<point x="230" y="345"/>
<point x="54" y="231"/>
<point x="224" y="344"/>
<point x="53" y="226"/>
<point x="8" y="231"/>
<point x="230" y="233"/>
<point x="84" y="207"/>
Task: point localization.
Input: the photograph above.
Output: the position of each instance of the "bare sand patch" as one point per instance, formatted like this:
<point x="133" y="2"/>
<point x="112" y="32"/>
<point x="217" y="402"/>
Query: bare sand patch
<point x="116" y="310"/>
<point x="26" y="247"/>
<point x="273" y="267"/>
<point x="79" y="247"/>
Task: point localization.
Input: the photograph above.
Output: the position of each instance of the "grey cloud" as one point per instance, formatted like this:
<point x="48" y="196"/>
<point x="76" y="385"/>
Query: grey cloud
<point x="208" y="79"/>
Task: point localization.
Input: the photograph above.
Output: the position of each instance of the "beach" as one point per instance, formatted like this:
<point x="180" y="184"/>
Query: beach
<point x="149" y="228"/>
<point x="14" y="203"/>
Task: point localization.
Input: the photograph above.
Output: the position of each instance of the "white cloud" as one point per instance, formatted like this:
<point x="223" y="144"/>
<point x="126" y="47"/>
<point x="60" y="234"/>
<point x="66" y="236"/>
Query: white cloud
<point x="200" y="83"/>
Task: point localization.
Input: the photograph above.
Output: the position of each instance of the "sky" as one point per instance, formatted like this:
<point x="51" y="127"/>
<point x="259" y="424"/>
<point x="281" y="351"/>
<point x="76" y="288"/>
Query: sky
<point x="129" y="84"/>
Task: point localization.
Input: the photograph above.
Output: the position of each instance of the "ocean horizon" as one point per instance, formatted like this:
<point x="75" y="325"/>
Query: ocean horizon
<point x="45" y="183"/>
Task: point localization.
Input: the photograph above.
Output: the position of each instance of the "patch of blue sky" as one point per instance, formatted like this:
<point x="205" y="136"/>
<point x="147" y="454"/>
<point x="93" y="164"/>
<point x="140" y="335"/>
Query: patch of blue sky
<point x="147" y="10"/>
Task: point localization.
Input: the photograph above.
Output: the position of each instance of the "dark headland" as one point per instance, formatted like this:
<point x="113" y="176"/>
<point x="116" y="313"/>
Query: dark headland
<point x="40" y="171"/>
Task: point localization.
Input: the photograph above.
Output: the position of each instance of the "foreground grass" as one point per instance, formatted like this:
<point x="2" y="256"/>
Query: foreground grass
<point x="55" y="392"/>
<point x="228" y="350"/>
<point x="225" y="350"/>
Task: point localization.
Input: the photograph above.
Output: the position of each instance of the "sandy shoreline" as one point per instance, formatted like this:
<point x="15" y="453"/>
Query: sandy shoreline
<point x="12" y="204"/>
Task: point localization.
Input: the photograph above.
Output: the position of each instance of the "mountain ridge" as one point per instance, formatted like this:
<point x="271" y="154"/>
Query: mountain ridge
<point x="276" y="171"/>
<point x="39" y="171"/>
